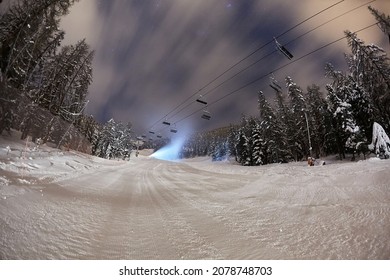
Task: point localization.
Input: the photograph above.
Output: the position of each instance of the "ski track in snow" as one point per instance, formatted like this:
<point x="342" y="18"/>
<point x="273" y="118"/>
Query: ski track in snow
<point x="72" y="206"/>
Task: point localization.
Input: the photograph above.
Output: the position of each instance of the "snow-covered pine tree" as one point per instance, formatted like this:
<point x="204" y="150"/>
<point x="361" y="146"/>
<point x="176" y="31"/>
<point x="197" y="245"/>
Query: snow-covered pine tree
<point x="213" y="150"/>
<point x="283" y="119"/>
<point x="344" y="130"/>
<point x="232" y="140"/>
<point x="86" y="125"/>
<point x="8" y="107"/>
<point x="106" y="140"/>
<point x="380" y="142"/>
<point x="65" y="80"/>
<point x="121" y="142"/>
<point x="273" y="136"/>
<point x="383" y="20"/>
<point x="250" y="145"/>
<point x="318" y="114"/>
<point x="296" y="124"/>
<point x="219" y="149"/>
<point x="243" y="145"/>
<point x="112" y="140"/>
<point x="28" y="31"/>
<point x="267" y="119"/>
<point x="369" y="82"/>
<point x="96" y="140"/>
<point x="258" y="157"/>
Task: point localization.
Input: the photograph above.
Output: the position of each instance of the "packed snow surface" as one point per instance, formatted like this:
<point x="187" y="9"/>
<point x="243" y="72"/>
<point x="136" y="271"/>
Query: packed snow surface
<point x="66" y="205"/>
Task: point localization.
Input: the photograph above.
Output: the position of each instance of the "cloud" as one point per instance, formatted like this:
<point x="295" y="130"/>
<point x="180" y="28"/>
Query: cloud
<point x="152" y="55"/>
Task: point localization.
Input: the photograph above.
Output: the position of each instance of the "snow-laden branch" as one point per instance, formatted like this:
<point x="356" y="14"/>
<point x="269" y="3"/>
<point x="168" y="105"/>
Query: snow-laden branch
<point x="380" y="141"/>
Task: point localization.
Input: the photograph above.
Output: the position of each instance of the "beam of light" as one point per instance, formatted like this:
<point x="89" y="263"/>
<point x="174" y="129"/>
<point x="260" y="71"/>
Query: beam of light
<point x="171" y="151"/>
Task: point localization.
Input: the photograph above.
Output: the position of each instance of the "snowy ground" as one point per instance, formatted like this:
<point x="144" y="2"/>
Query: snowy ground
<point x="65" y="205"/>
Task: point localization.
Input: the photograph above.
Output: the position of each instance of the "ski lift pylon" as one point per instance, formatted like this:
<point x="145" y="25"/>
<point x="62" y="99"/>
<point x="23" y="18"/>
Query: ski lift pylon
<point x="283" y="50"/>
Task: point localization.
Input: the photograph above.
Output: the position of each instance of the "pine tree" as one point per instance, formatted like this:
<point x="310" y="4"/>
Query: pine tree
<point x="317" y="113"/>
<point x="369" y="82"/>
<point x="8" y="107"/>
<point x="243" y="145"/>
<point x="383" y="21"/>
<point x="257" y="144"/>
<point x="65" y="80"/>
<point x="344" y="127"/>
<point x="274" y="140"/>
<point x="296" y="123"/>
<point x="283" y="119"/>
<point x="28" y="31"/>
<point x="232" y="140"/>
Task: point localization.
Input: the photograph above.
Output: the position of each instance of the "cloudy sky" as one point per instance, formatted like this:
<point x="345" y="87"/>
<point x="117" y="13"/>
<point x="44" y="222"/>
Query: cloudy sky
<point x="155" y="57"/>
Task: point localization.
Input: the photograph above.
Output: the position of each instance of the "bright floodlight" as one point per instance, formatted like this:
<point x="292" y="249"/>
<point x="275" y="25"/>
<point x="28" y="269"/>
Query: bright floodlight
<point x="170" y="151"/>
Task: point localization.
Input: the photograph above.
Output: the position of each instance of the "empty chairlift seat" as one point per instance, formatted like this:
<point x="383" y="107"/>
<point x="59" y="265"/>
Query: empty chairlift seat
<point x="200" y="100"/>
<point x="283" y="50"/>
<point x="206" y="115"/>
<point x="275" y="86"/>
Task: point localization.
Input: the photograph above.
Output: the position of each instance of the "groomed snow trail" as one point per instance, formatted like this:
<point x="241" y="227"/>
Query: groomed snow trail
<point x="152" y="209"/>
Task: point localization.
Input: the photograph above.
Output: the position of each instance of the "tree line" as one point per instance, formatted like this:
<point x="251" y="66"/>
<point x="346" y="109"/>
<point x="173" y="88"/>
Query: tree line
<point x="298" y="124"/>
<point x="44" y="85"/>
<point x="44" y="88"/>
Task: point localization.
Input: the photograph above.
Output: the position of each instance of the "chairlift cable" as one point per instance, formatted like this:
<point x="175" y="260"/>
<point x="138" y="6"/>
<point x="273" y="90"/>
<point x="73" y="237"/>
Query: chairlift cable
<point x="328" y="21"/>
<point x="309" y="18"/>
<point x="274" y="70"/>
<point x="269" y="54"/>
<point x="243" y="59"/>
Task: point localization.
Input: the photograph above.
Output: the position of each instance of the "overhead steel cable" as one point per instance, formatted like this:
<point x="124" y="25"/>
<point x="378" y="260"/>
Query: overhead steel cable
<point x="328" y="21"/>
<point x="271" y="53"/>
<point x="241" y="60"/>
<point x="273" y="71"/>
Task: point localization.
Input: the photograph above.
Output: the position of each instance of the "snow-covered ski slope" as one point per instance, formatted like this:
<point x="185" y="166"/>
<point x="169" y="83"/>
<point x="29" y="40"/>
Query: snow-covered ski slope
<point x="65" y="205"/>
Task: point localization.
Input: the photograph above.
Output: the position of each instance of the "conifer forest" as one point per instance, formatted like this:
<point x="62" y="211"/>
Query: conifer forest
<point x="44" y="88"/>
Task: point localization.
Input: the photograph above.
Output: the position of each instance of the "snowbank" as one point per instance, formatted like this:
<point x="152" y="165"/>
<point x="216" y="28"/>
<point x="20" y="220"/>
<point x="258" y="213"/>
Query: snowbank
<point x="23" y="163"/>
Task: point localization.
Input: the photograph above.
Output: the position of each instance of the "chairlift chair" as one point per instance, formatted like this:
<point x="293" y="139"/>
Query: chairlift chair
<point x="166" y="123"/>
<point x="159" y="136"/>
<point x="283" y="50"/>
<point x="275" y="86"/>
<point x="206" y="115"/>
<point x="201" y="101"/>
<point x="151" y="132"/>
<point x="174" y="129"/>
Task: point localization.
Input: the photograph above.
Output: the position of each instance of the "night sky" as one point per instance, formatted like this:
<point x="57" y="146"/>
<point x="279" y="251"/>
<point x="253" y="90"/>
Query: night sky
<point x="152" y="55"/>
